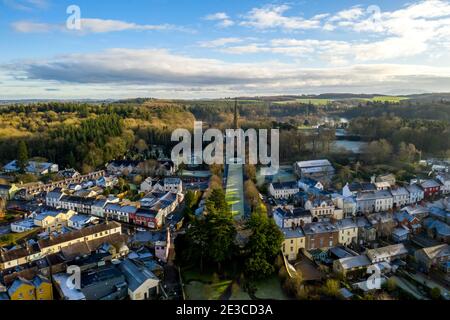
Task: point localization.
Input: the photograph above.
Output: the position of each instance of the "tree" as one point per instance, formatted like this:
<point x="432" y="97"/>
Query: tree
<point x="435" y="293"/>
<point x="251" y="194"/>
<point x="211" y="238"/>
<point x="141" y="146"/>
<point x="137" y="179"/>
<point x="222" y="233"/>
<point x="378" y="151"/>
<point x="292" y="285"/>
<point x="250" y="172"/>
<point x="216" y="169"/>
<point x="391" y="285"/>
<point x="216" y="202"/>
<point x="22" y="156"/>
<point x="263" y="246"/>
<point x="331" y="289"/>
<point x="2" y="206"/>
<point x="407" y="152"/>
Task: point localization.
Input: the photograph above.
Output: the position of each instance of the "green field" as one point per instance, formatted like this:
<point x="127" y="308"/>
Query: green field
<point x="323" y="102"/>
<point x="388" y="99"/>
<point x="317" y="102"/>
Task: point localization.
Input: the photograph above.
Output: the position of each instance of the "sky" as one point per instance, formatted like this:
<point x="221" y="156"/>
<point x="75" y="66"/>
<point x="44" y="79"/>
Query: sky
<point x="80" y="49"/>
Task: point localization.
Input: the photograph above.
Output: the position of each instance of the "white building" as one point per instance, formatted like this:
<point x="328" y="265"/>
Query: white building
<point x="321" y="170"/>
<point x="416" y="193"/>
<point x="377" y="201"/>
<point x="348" y="232"/>
<point x="290" y="218"/>
<point x="283" y="190"/>
<point x="352" y="189"/>
<point x="320" y="208"/>
<point x="150" y="184"/>
<point x="80" y="221"/>
<point x="346" y="204"/>
<point x="33" y="167"/>
<point x="388" y="253"/>
<point x="444" y="178"/>
<point x="53" y="198"/>
<point x="22" y="226"/>
<point x="400" y="196"/>
<point x="142" y="283"/>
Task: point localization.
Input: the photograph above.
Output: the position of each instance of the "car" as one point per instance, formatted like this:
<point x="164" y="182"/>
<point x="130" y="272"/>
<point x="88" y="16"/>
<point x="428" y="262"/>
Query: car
<point x="141" y="230"/>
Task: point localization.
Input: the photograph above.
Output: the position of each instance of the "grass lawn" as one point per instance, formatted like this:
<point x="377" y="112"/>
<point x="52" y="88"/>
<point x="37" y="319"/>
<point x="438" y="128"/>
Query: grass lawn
<point x="199" y="286"/>
<point x="270" y="289"/>
<point x="192" y="274"/>
<point x="13" y="238"/>
<point x="199" y="291"/>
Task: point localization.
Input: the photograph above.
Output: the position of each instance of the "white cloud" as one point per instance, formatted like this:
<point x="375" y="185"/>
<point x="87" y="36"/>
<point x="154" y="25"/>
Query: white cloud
<point x="103" y="26"/>
<point x="90" y="25"/>
<point x="217" y="16"/>
<point x="26" y="5"/>
<point x="169" y="72"/>
<point x="223" y="19"/>
<point x="220" y="42"/>
<point x="272" y="16"/>
<point x="34" y="27"/>
<point x="348" y="14"/>
<point x="418" y="29"/>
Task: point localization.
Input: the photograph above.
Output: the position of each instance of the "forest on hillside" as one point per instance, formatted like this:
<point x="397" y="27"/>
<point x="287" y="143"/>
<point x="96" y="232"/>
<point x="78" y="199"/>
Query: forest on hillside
<point x="87" y="135"/>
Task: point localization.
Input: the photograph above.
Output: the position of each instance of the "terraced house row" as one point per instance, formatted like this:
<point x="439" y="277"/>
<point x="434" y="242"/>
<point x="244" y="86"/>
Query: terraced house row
<point x="31" y="253"/>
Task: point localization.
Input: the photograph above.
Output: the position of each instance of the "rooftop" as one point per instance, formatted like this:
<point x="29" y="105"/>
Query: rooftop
<point x="290" y="233"/>
<point x="387" y="252"/>
<point x="354" y="262"/>
<point x="313" y="163"/>
<point x="61" y="280"/>
<point x="319" y="227"/>
<point x="135" y="275"/>
<point x="285" y="185"/>
<point x="431" y="183"/>
<point x="77" y="234"/>
<point x="442" y="250"/>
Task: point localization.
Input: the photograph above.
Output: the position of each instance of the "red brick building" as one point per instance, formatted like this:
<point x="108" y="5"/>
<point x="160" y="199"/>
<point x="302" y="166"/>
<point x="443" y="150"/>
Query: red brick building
<point x="431" y="188"/>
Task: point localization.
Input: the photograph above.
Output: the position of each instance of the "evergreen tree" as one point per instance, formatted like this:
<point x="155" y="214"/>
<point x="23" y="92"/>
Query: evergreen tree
<point x="263" y="246"/>
<point x="22" y="156"/>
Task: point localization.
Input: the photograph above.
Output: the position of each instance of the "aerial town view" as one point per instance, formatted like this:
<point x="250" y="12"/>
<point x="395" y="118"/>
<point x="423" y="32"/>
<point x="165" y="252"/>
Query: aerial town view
<point x="245" y="152"/>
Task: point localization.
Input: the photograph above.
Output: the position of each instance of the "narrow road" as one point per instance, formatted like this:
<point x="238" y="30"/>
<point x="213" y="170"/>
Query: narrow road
<point x="235" y="190"/>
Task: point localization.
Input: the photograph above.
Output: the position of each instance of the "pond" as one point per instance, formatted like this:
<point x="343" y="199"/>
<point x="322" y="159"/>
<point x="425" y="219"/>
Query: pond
<point x="347" y="145"/>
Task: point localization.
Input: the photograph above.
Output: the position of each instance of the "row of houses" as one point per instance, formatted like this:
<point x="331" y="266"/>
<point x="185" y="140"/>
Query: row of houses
<point x="428" y="258"/>
<point x="151" y="211"/>
<point x="44" y="247"/>
<point x="125" y="167"/>
<point x="53" y="221"/>
<point x="302" y="233"/>
<point x="378" y="256"/>
<point x="37" y="288"/>
<point x="356" y="197"/>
